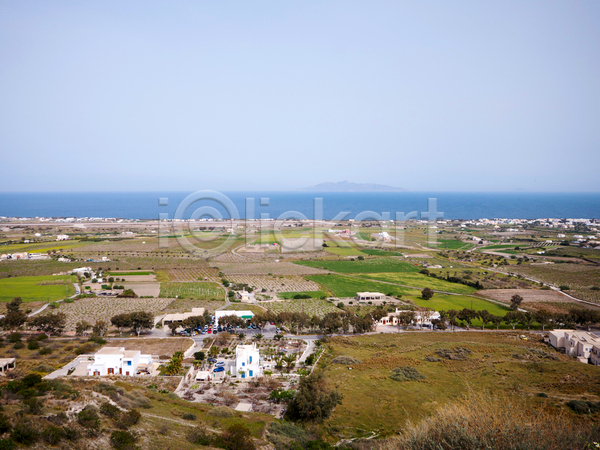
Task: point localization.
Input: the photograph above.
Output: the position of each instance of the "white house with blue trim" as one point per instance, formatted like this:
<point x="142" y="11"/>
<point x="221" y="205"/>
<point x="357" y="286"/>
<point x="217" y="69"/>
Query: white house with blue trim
<point x="118" y="361"/>
<point x="247" y="361"/>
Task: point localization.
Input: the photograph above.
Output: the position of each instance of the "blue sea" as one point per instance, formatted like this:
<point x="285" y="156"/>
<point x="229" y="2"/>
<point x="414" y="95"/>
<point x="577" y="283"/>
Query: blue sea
<point x="454" y="205"/>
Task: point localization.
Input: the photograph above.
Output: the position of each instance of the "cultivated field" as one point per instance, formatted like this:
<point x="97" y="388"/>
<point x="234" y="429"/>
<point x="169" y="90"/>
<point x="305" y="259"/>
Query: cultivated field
<point x="199" y="272"/>
<point x="35" y="289"/>
<point x="366" y="266"/>
<point x="344" y="286"/>
<point x="280" y="268"/>
<point x="275" y="283"/>
<point x="421" y="281"/>
<point x="95" y="309"/>
<point x="529" y="295"/>
<point x="192" y="290"/>
<point x="309" y="306"/>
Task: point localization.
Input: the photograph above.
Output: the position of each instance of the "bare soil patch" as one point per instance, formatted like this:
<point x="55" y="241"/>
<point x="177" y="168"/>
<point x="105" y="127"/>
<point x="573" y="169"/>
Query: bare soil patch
<point x="529" y="295"/>
<point x="154" y="346"/>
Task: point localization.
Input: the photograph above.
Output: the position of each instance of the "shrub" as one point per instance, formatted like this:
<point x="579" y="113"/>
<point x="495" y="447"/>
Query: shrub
<point x="129" y="419"/>
<point x="18" y="346"/>
<point x="188" y="417"/>
<point x="200" y="436"/>
<point x="482" y="422"/>
<point x="33" y="345"/>
<point x="123" y="440"/>
<point x="42" y="337"/>
<point x="7" y="444"/>
<point x="345" y="360"/>
<point x="52" y="435"/>
<point x="45" y="351"/>
<point x="13" y="338"/>
<point x="237" y="437"/>
<point x="109" y="410"/>
<point x="584" y="407"/>
<point x="88" y="418"/>
<point x="24" y="433"/>
<point x="406" y="374"/>
<point x="222" y="411"/>
<point x="5" y="424"/>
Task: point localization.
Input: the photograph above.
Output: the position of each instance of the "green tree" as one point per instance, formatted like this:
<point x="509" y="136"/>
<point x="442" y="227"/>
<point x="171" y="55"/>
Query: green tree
<point x="49" y="323"/>
<point x="81" y="327"/>
<point x="141" y="320"/>
<point x="121" y="321"/>
<point x="313" y="400"/>
<point x="513" y="318"/>
<point x="427" y="293"/>
<point x="543" y="317"/>
<point x="14" y="318"/>
<point x="100" y="328"/>
<point x="515" y="302"/>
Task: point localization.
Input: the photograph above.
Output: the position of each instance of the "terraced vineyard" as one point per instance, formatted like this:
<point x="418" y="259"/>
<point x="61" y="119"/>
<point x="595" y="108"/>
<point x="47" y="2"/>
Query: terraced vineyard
<point x="94" y="309"/>
<point x="275" y="283"/>
<point x="578" y="277"/>
<point x="200" y="273"/>
<point x="279" y="268"/>
<point x="311" y="306"/>
<point x="195" y="290"/>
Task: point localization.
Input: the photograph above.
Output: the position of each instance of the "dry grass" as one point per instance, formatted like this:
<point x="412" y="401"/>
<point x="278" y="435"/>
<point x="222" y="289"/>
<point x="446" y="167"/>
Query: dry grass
<point x="484" y="422"/>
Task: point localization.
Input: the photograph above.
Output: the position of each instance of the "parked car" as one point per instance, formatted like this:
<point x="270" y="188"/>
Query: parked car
<point x="219" y="369"/>
<point x="220" y="364"/>
<point x="211" y="360"/>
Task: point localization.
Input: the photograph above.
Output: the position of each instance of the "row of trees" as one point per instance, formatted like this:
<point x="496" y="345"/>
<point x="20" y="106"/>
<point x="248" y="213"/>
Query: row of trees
<point x="583" y="317"/>
<point x="16" y="319"/>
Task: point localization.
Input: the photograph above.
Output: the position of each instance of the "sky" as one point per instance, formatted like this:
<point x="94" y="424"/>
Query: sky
<point x="272" y="95"/>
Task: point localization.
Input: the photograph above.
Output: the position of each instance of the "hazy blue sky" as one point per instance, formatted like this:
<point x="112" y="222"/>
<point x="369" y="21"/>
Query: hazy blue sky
<point x="472" y="96"/>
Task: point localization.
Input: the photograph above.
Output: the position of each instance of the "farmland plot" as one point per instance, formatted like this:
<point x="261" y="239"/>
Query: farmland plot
<point x="195" y="290"/>
<point x="199" y="273"/>
<point x="579" y="277"/>
<point x="275" y="284"/>
<point x="280" y="268"/>
<point x="375" y="265"/>
<point x="94" y="309"/>
<point x="312" y="307"/>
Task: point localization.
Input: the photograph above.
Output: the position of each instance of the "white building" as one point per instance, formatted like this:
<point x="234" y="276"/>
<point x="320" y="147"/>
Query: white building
<point x="118" y="361"/>
<point x="362" y="296"/>
<point x="578" y="344"/>
<point x="247" y="361"/>
<point x="82" y="270"/>
<point x="245" y="297"/>
<point x="180" y="317"/>
<point x="242" y="314"/>
<point x="62" y="237"/>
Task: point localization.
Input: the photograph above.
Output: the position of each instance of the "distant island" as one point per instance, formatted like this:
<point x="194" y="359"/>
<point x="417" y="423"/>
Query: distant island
<point x="346" y="186"/>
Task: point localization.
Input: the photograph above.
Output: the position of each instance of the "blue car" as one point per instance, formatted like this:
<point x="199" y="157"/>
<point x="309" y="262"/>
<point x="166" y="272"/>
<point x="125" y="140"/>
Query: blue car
<point x="219" y="369"/>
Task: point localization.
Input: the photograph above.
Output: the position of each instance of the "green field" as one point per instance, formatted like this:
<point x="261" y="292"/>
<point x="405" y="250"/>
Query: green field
<point x="452" y="244"/>
<point x="421" y="281"/>
<point x="194" y="290"/>
<point x="366" y="266"/>
<point x="446" y="302"/>
<point x="498" y="364"/>
<point x="313" y="294"/>
<point x="34" y="289"/>
<point x="42" y="247"/>
<point x="342" y="286"/>
<point x="378" y="252"/>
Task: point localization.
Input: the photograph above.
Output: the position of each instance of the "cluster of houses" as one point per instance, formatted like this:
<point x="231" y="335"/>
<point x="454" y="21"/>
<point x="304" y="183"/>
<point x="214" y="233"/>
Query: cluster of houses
<point x="23" y="255"/>
<point x="579" y="344"/>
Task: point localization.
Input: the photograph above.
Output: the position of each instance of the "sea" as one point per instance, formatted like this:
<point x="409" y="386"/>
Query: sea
<point x="326" y="205"/>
